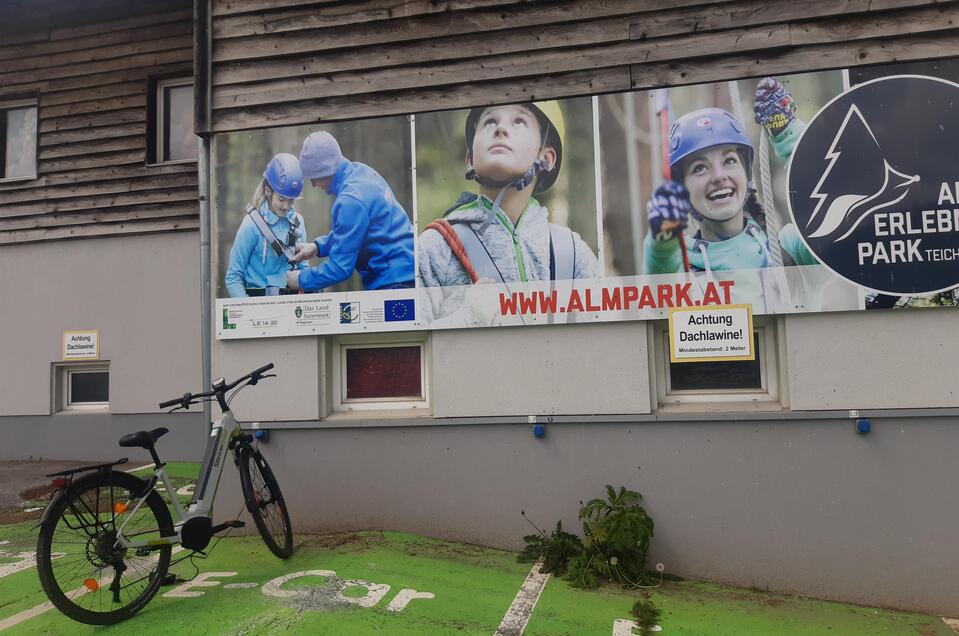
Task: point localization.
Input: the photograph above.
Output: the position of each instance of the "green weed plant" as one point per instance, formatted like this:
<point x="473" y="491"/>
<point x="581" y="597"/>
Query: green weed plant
<point x="616" y="535"/>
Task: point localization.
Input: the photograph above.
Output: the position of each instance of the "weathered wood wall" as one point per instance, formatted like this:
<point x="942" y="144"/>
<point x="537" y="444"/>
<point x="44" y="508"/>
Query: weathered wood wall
<point x="279" y="62"/>
<point x="88" y="64"/>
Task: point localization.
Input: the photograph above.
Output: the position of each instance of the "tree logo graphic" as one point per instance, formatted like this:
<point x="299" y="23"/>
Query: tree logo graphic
<point x="850" y="208"/>
<point x="874" y="185"/>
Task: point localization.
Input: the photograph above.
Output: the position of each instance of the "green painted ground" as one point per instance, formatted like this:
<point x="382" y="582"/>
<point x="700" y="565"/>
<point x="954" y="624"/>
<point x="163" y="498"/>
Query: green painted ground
<point x="473" y="589"/>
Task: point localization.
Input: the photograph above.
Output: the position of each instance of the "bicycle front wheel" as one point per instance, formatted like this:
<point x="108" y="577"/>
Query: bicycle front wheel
<point x="265" y="502"/>
<point x="84" y="567"/>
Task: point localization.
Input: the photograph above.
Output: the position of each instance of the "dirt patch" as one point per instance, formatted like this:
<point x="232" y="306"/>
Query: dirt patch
<point x="456" y="552"/>
<point x="26" y="481"/>
<point x="42" y="492"/>
<point x="18" y="516"/>
<point x="344" y="541"/>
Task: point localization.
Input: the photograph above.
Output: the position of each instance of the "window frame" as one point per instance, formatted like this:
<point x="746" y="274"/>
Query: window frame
<point x="159" y="130"/>
<point x="62" y="387"/>
<point x="18" y="104"/>
<point x="768" y="395"/>
<point x="343" y="343"/>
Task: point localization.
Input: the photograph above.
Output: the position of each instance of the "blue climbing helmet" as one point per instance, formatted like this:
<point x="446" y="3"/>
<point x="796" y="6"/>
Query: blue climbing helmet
<point x="284" y="176"/>
<point x="707" y="128"/>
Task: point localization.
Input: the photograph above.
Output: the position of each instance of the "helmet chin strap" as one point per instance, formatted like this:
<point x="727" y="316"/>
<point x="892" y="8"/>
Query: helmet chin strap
<point x="520" y="183"/>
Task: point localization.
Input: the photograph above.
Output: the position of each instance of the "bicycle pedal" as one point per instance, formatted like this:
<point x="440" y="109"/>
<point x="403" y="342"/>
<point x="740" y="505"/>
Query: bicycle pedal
<point x="234" y="523"/>
<point x="168" y="579"/>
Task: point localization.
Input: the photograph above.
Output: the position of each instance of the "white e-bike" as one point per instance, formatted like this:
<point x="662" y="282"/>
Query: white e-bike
<point x="107" y="537"/>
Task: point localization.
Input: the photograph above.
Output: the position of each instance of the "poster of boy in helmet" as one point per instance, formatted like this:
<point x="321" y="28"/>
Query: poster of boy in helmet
<point x="706" y="169"/>
<point x="512" y="203"/>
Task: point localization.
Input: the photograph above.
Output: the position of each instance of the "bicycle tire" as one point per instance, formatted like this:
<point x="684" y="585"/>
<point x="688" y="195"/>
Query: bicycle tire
<point x="265" y="502"/>
<point x="77" y="560"/>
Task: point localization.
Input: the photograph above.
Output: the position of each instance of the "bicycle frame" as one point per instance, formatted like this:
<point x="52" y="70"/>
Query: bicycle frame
<point x="223" y="431"/>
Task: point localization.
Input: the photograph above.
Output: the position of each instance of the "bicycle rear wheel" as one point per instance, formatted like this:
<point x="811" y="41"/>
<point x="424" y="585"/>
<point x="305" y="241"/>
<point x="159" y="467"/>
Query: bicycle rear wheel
<point x="83" y="571"/>
<point x="265" y="502"/>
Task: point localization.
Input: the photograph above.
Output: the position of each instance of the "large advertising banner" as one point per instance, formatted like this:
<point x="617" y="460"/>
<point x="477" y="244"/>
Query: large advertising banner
<point x="828" y="191"/>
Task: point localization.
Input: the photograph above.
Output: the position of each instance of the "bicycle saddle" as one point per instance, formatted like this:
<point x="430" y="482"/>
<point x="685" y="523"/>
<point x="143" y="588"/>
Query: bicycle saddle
<point x="143" y="439"/>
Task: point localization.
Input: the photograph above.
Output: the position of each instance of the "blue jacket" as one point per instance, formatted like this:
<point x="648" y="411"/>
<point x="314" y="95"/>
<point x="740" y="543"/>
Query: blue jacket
<point x="253" y="263"/>
<point x="370" y="233"/>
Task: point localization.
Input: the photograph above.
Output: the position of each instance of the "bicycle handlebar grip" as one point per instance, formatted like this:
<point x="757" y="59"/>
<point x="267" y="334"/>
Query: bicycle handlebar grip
<point x="170" y="403"/>
<point x="262" y="369"/>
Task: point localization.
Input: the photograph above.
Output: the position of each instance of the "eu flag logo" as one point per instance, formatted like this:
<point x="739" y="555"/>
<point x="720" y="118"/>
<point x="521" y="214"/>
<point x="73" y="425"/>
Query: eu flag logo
<point x="397" y="310"/>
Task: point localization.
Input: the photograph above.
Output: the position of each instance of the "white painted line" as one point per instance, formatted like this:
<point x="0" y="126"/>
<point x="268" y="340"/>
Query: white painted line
<point x="953" y="623"/>
<point x="25" y="615"/>
<point x="16" y="619"/>
<point x="514" y="623"/>
<point x="623" y="627"/>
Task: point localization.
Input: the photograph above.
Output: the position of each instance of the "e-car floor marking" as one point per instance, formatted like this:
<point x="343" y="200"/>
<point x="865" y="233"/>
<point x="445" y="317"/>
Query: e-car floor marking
<point x="514" y="623"/>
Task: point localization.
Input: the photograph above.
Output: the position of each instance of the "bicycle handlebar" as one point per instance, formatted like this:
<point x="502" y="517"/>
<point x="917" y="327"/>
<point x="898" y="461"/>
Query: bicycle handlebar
<point x="189" y="398"/>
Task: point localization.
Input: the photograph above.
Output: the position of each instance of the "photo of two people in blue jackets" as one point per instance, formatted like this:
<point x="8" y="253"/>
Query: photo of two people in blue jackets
<point x="368" y="244"/>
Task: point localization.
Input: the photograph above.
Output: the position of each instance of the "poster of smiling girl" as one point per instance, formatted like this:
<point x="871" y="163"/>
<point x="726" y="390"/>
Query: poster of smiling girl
<point x="705" y="168"/>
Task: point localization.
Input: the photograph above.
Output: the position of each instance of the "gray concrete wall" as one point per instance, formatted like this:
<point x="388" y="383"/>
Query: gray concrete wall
<point x="93" y="438"/>
<point x="808" y="507"/>
<point x="878" y="359"/>
<point x="141" y="292"/>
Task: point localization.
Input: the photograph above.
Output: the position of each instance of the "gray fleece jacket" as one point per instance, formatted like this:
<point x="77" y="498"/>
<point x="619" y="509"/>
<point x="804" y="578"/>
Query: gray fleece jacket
<point x="520" y="253"/>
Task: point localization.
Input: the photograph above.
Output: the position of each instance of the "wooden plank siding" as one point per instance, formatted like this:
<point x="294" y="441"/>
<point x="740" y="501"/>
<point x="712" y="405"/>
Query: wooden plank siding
<point x="289" y="62"/>
<point x="88" y="67"/>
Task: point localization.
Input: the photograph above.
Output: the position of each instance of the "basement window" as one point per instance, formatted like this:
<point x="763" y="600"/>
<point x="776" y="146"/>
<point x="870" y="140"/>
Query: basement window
<point x="82" y="387"/>
<point x="735" y="383"/>
<point x="385" y="372"/>
<point x="18" y="140"/>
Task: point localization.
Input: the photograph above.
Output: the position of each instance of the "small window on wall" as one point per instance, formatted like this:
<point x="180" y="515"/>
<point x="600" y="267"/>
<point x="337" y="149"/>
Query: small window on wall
<point x="18" y="140"/>
<point x="173" y="110"/>
<point x="385" y="372"/>
<point x="82" y="387"/>
<point x="741" y="381"/>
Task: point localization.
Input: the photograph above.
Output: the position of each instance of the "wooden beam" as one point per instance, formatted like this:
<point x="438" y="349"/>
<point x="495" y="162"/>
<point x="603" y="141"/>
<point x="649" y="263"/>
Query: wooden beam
<point x="98" y="216"/>
<point x="99" y="230"/>
<point x="757" y="38"/>
<point x="166" y="196"/>
<point x="108" y="26"/>
<point x="794" y="60"/>
<point x="140" y="74"/>
<point x="72" y="45"/>
<point x="112" y="186"/>
<point x="432" y="26"/>
<point x="145" y="62"/>
<point x="91" y="148"/>
<point x="90" y="134"/>
<point x="137" y="100"/>
<point x="88" y="94"/>
<point x="93" y="120"/>
<point x="412" y="101"/>
<point x="282" y="20"/>
<point x="100" y="160"/>
<point x="108" y="173"/>
<point x="429" y="51"/>
<point x="102" y="215"/>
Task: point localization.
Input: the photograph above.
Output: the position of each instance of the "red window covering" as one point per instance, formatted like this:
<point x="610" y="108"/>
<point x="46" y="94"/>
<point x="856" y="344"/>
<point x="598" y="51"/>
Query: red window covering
<point x="383" y="372"/>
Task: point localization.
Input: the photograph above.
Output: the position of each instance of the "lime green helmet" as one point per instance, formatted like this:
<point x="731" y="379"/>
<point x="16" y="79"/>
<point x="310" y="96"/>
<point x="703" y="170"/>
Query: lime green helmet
<point x="551" y="123"/>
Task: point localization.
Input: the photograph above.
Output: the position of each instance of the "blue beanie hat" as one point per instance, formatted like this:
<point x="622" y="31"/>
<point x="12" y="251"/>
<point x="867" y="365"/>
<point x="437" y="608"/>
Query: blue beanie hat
<point x="320" y="156"/>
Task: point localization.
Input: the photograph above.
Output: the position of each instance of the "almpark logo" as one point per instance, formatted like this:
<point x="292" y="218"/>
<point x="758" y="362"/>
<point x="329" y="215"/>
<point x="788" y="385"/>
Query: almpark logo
<point x="874" y="185"/>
